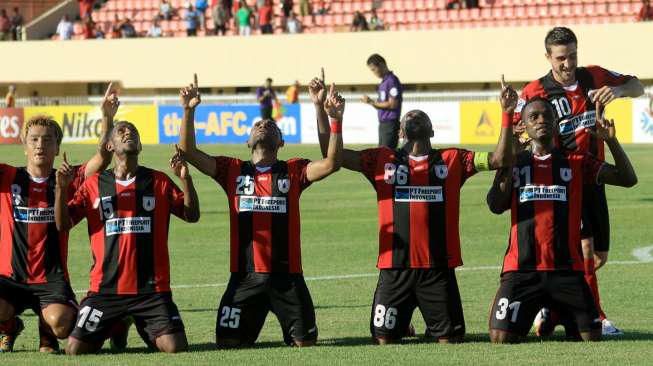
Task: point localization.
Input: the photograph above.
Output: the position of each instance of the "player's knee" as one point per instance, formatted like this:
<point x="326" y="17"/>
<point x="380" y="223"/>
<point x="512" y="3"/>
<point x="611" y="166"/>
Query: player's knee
<point x="451" y="339"/>
<point x="61" y="323"/>
<point x="172" y="343"/>
<point x="6" y="310"/>
<point x="76" y="347"/>
<point x="501" y="336"/>
<point x="384" y="340"/>
<point x="306" y="343"/>
<point x="591" y="336"/>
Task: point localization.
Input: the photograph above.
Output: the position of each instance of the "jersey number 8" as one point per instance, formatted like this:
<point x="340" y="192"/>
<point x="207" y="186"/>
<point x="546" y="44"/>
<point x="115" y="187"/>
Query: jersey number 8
<point x="393" y="173"/>
<point x="383" y="317"/>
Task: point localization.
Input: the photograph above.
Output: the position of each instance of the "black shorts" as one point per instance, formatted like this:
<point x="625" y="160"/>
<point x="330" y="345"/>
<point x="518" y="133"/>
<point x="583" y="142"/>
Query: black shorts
<point x="596" y="218"/>
<point x="36" y="296"/>
<point x="522" y="294"/>
<point x="154" y="314"/>
<point x="250" y="296"/>
<point x="400" y="291"/>
<point x="389" y="134"/>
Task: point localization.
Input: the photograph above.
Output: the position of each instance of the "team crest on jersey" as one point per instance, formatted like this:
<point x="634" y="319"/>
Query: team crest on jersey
<point x="284" y="185"/>
<point x="565" y="174"/>
<point x="148" y="203"/>
<point x="441" y="171"/>
<point x="15" y="193"/>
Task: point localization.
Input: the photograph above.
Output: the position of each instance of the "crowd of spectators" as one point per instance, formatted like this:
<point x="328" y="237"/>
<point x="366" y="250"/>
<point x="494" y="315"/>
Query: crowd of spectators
<point x="11" y="26"/>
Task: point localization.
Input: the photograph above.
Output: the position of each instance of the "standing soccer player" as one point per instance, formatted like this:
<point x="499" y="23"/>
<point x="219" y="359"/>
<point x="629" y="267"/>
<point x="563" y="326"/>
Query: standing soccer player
<point x="33" y="253"/>
<point x="128" y="212"/>
<point x="388" y="103"/>
<point x="543" y="266"/>
<point x="418" y="192"/>
<point x="572" y="91"/>
<point x="263" y="194"/>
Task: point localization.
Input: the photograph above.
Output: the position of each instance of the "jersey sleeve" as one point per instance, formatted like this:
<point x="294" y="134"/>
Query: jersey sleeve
<point x="223" y="165"/>
<point x="80" y="177"/>
<point x="79" y="204"/>
<point x="467" y="163"/>
<point x="368" y="162"/>
<point x="591" y="168"/>
<point x="298" y="169"/>
<point x="604" y="77"/>
<point x="175" y="197"/>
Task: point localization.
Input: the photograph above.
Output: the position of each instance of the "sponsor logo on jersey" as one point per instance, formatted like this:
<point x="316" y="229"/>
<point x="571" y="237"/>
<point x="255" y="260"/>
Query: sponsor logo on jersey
<point x="128" y="225"/>
<point x="542" y="193"/>
<point x="578" y="122"/>
<point x="419" y="194"/>
<point x="262" y="204"/>
<point x="40" y="215"/>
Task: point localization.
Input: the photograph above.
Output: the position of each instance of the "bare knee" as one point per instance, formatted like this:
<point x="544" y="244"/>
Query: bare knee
<point x="76" y="347"/>
<point x="600" y="259"/>
<point x="501" y="336"/>
<point x="7" y="310"/>
<point x="591" y="336"/>
<point x="451" y="339"/>
<point x="60" y="318"/>
<point x="307" y="343"/>
<point x="172" y="343"/>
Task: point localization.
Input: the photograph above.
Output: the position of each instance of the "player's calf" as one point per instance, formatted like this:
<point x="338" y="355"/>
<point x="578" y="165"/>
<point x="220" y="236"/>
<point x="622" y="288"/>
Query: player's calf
<point x="502" y="336"/>
<point x="76" y="347"/>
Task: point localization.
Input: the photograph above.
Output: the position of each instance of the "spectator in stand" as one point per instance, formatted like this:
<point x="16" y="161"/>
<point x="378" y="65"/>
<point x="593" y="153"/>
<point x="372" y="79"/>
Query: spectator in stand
<point x="469" y="4"/>
<point x="16" y="25"/>
<point x="292" y="94"/>
<point x="65" y="28"/>
<point x="286" y="8"/>
<point x="220" y="17"/>
<point x="454" y="4"/>
<point x="200" y="7"/>
<point x="375" y="22"/>
<point x="265" y="17"/>
<point x="244" y="16"/>
<point x="359" y="23"/>
<point x="305" y="8"/>
<point x="293" y="25"/>
<point x="10" y="98"/>
<point x="36" y="99"/>
<point x="100" y="30"/>
<point x="646" y="12"/>
<point x="127" y="29"/>
<point x="5" y="26"/>
<point x="323" y="7"/>
<point x="85" y="8"/>
<point x="88" y="28"/>
<point x="165" y="10"/>
<point x="155" y="30"/>
<point x="191" y="18"/>
<point x="265" y="95"/>
<point x="377" y="4"/>
<point x="115" y="27"/>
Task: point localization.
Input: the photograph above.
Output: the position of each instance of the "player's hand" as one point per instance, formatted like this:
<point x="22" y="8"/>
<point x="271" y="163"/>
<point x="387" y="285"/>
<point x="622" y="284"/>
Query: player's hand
<point x="508" y="97"/>
<point x="605" y="94"/>
<point x="190" y="95"/>
<point x="605" y="129"/>
<point x="317" y="90"/>
<point x="178" y="164"/>
<point x="335" y="104"/>
<point x="110" y="102"/>
<point x="65" y="174"/>
<point x="367" y="100"/>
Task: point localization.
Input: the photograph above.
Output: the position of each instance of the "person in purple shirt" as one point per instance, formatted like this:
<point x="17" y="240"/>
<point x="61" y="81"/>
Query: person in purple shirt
<point x="265" y="95"/>
<point x="388" y="103"/>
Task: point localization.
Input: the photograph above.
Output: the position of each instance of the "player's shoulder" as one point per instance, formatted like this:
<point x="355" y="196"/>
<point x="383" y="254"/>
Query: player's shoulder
<point x="534" y="88"/>
<point x="296" y="161"/>
<point x="452" y="151"/>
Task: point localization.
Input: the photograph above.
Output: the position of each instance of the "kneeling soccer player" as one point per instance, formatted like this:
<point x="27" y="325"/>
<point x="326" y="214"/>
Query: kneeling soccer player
<point x="263" y="194"/>
<point x="128" y="209"/>
<point x="543" y="266"/>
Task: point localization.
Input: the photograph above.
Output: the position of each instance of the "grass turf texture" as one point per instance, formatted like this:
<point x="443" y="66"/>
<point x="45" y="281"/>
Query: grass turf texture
<point x="339" y="232"/>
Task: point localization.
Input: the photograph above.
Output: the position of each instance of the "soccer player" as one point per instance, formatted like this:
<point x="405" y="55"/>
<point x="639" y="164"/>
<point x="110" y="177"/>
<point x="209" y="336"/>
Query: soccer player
<point x="543" y="266"/>
<point x="418" y="192"/>
<point x="388" y="103"/>
<point x="263" y="194"/>
<point x="128" y="209"/>
<point x="33" y="253"/>
<point x="572" y="91"/>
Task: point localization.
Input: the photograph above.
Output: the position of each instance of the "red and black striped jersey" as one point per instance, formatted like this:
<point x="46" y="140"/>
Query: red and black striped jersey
<point x="128" y="227"/>
<point x="546" y="211"/>
<point x="575" y="110"/>
<point x="264" y="213"/>
<point x="419" y="201"/>
<point x="32" y="250"/>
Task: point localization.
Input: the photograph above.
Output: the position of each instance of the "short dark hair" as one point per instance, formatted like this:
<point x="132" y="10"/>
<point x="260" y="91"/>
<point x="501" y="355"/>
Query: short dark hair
<point x="123" y="123"/>
<point x="535" y="100"/>
<point x="559" y="36"/>
<point x="376" y="60"/>
<point x="269" y="80"/>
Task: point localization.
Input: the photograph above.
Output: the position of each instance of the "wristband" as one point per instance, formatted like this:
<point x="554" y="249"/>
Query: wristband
<point x="336" y="126"/>
<point x="506" y="120"/>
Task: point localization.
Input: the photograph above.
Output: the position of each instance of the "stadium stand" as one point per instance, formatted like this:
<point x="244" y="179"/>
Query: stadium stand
<point x="396" y="15"/>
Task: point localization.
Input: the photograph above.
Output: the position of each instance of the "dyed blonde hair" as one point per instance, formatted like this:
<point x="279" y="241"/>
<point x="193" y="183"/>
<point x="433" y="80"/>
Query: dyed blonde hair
<point x="45" y="121"/>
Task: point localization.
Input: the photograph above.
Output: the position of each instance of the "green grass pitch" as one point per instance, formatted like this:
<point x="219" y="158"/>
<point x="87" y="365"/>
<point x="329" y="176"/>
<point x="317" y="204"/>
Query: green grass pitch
<point x="339" y="231"/>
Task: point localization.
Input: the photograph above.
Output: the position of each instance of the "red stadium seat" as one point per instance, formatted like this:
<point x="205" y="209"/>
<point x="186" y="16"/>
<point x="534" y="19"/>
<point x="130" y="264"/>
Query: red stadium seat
<point x="420" y="4"/>
<point x="520" y="12"/>
<point x="432" y="16"/>
<point x="565" y="10"/>
<point x="509" y="12"/>
<point x="454" y="15"/>
<point x="463" y="14"/>
<point x="531" y="11"/>
<point x="422" y="16"/>
<point x="443" y="16"/>
<point x="497" y="13"/>
<point x="401" y="17"/>
<point x="578" y="10"/>
<point x="486" y="13"/>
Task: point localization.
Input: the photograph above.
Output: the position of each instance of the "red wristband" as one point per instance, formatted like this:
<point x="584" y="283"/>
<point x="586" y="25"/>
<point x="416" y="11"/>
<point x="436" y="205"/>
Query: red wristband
<point x="506" y="120"/>
<point x="336" y="126"/>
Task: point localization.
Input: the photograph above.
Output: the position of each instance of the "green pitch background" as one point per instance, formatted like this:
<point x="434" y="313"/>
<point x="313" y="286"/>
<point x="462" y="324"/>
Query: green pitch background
<point x="339" y="223"/>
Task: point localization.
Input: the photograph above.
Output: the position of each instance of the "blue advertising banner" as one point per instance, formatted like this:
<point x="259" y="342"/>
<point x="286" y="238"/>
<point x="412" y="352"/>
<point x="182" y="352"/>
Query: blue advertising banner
<point x="220" y="124"/>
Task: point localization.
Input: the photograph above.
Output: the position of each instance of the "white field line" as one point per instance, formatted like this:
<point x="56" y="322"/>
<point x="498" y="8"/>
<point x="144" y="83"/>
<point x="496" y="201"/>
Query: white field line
<point x="375" y="274"/>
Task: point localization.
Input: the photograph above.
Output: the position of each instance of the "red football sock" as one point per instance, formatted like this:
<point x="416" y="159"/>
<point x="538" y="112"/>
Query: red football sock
<point x="592" y="281"/>
<point x="8" y="326"/>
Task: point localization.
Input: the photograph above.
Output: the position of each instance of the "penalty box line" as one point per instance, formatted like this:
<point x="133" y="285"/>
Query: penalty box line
<point x="366" y="275"/>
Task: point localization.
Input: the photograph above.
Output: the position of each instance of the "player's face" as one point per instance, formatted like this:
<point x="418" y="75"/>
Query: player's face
<point x="125" y="139"/>
<point x="416" y="125"/>
<point x="267" y="133"/>
<point x="539" y="120"/>
<point x="377" y="70"/>
<point x="41" y="146"/>
<point x="564" y="59"/>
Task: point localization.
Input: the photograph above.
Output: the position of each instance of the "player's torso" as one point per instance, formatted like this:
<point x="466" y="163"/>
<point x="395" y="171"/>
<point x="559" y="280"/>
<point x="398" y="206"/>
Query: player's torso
<point x="418" y="202"/>
<point x="31" y="248"/>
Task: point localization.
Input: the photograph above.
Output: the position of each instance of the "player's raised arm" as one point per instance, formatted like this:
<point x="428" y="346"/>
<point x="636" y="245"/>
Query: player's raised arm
<point x="335" y="108"/>
<point x="622" y="172"/>
<point x="502" y="155"/>
<point x="191" y="201"/>
<point x="64" y="177"/>
<point x="190" y="99"/>
<point x="102" y="157"/>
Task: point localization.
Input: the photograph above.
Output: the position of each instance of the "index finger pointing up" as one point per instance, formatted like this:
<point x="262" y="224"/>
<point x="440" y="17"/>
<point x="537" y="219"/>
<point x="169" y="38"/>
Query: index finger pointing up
<point x="322" y="74"/>
<point x="109" y="90"/>
<point x="503" y="82"/>
<point x="195" y="80"/>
